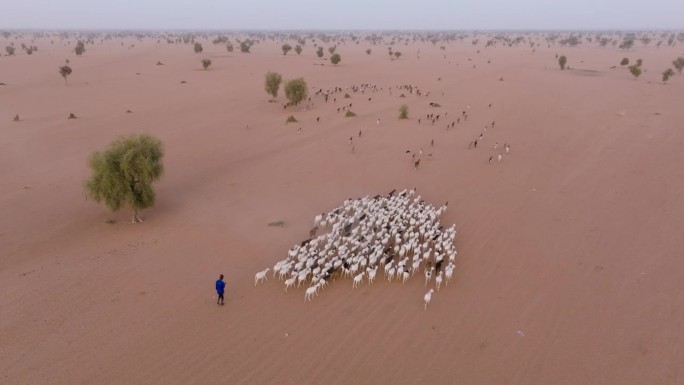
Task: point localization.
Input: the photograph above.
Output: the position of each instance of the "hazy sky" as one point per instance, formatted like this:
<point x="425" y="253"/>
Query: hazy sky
<point x="343" y="14"/>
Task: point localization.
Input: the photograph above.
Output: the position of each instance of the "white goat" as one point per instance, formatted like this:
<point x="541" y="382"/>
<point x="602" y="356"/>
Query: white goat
<point x="261" y="276"/>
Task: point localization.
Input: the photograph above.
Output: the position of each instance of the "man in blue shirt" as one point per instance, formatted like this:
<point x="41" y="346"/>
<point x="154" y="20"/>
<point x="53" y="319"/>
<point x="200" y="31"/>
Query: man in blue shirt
<point x="220" y="287"/>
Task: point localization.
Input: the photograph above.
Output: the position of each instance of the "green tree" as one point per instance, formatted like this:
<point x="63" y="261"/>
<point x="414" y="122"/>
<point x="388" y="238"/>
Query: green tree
<point x="319" y="52"/>
<point x="272" y="83"/>
<point x="65" y="71"/>
<point x="80" y="48"/>
<point x="198" y="48"/>
<point x="298" y="49"/>
<point x="624" y="61"/>
<point x="245" y="46"/>
<point x="635" y="70"/>
<point x="403" y="112"/>
<point x="679" y="64"/>
<point x="562" y="61"/>
<point x="123" y="174"/>
<point x="286" y="48"/>
<point x="667" y="74"/>
<point x="335" y="58"/>
<point x="296" y="90"/>
<point x="206" y="63"/>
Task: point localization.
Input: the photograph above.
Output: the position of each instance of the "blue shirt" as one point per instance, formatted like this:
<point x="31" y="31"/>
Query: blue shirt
<point x="220" y="285"/>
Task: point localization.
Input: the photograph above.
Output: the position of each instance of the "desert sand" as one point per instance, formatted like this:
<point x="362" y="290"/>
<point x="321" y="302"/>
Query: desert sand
<point x="569" y="267"/>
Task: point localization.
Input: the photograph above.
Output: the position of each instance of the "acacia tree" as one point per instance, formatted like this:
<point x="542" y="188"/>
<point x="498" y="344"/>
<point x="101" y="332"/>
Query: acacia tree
<point x="286" y="48"/>
<point x="635" y="70"/>
<point x="624" y="61"/>
<point x="206" y="63"/>
<point x="123" y="174"/>
<point x="198" y="48"/>
<point x="319" y="52"/>
<point x="562" y="61"/>
<point x="298" y="49"/>
<point x="667" y="74"/>
<point x="65" y="71"/>
<point x="335" y="58"/>
<point x="679" y="64"/>
<point x="80" y="48"/>
<point x="295" y="90"/>
<point x="272" y="83"/>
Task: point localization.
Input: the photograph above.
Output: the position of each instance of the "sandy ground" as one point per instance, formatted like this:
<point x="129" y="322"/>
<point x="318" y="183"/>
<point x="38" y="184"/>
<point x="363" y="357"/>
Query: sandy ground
<point x="569" y="268"/>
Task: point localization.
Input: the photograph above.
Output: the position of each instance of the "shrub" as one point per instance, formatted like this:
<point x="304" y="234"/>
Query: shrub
<point x="667" y="74"/>
<point x="349" y="114"/>
<point x="562" y="61"/>
<point x="335" y="58"/>
<point x="198" y="48"/>
<point x="80" y="48"/>
<point x="272" y="83"/>
<point x="123" y="174"/>
<point x="403" y="112"/>
<point x="286" y="48"/>
<point x="9" y="50"/>
<point x="229" y="47"/>
<point x="298" y="49"/>
<point x="65" y="71"/>
<point x="206" y="63"/>
<point x="635" y="70"/>
<point x="624" y="61"/>
<point x="679" y="64"/>
<point x="397" y="54"/>
<point x="291" y="119"/>
<point x="245" y="46"/>
<point x="296" y="90"/>
<point x="319" y="52"/>
<point x="368" y="51"/>
<point x="639" y="62"/>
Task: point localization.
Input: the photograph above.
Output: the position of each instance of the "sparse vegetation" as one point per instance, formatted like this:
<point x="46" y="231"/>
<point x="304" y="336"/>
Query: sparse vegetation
<point x="80" y="48"/>
<point x="286" y="48"/>
<point x="298" y="49"/>
<point x="296" y="90"/>
<point x="397" y="54"/>
<point x="624" y="61"/>
<point x="230" y="47"/>
<point x="335" y="58"/>
<point x="667" y="74"/>
<point x="349" y="114"/>
<point x="319" y="52"/>
<point x="403" y="111"/>
<point x="246" y="46"/>
<point x="198" y="48"/>
<point x="206" y="63"/>
<point x="272" y="83"/>
<point x="9" y="50"/>
<point x="123" y="174"/>
<point x="277" y="224"/>
<point x="291" y="119"/>
<point x="368" y="51"/>
<point x="635" y="70"/>
<point x="562" y="61"/>
<point x="65" y="71"/>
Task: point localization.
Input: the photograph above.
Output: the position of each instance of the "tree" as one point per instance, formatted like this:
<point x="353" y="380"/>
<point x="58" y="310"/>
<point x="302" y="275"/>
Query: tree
<point x="123" y="174"/>
<point x="286" y="48"/>
<point x="65" y="71"/>
<point x="335" y="58"/>
<point x="80" y="48"/>
<point x="562" y="61"/>
<point x="667" y="74"/>
<point x="332" y="49"/>
<point x="319" y="52"/>
<point x="229" y="47"/>
<point x="635" y="70"/>
<point x="624" y="61"/>
<point x="272" y="83"/>
<point x="397" y="54"/>
<point x="368" y="51"/>
<point x="9" y="50"/>
<point x="679" y="64"/>
<point x="298" y="49"/>
<point x="639" y="62"/>
<point x="403" y="112"/>
<point x="245" y="46"/>
<point x="295" y="90"/>
<point x="198" y="48"/>
<point x="206" y="63"/>
<point x="627" y="43"/>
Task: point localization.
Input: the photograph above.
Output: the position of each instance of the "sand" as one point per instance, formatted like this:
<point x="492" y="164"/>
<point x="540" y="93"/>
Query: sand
<point x="569" y="266"/>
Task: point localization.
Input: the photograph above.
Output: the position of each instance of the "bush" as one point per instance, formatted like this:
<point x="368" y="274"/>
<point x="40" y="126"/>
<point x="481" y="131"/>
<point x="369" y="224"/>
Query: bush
<point x="198" y="48"/>
<point x="562" y="61"/>
<point x="206" y="63"/>
<point x="123" y="174"/>
<point x="635" y="70"/>
<point x="368" y="51"/>
<point x="229" y="47"/>
<point x="639" y="62"/>
<point x="667" y="74"/>
<point x="65" y="71"/>
<point x="80" y="48"/>
<point x="349" y="114"/>
<point x="335" y="58"/>
<point x="272" y="83"/>
<point x="298" y="49"/>
<point x="403" y="112"/>
<point x="245" y="46"/>
<point x="9" y="50"/>
<point x="624" y="61"/>
<point x="286" y="48"/>
<point x="296" y="90"/>
<point x="397" y="54"/>
<point x="319" y="52"/>
<point x="679" y="64"/>
<point x="291" y="119"/>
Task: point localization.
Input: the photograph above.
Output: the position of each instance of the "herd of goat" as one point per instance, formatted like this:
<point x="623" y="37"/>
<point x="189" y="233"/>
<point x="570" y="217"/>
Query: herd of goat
<point x="398" y="233"/>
